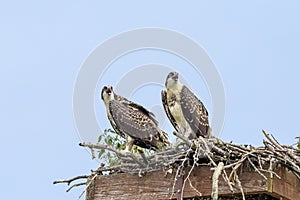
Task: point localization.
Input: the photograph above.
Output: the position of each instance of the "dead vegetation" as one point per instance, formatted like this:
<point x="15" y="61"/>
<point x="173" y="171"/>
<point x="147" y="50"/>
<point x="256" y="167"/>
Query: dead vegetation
<point x="224" y="159"/>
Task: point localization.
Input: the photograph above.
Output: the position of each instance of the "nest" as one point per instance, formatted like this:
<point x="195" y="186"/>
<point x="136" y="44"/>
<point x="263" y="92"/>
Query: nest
<point x="219" y="155"/>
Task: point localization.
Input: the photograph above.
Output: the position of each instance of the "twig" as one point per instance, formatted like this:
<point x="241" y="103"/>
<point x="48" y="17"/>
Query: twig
<point x="93" y="153"/>
<point x="239" y="185"/>
<point x="236" y="163"/>
<point x="119" y="153"/>
<point x="191" y="185"/>
<point x="68" y="181"/>
<point x="143" y="156"/>
<point x="274" y="142"/>
<point x="89" y="183"/>
<point x="227" y="180"/>
<point x="235" y="168"/>
<point x="215" y="181"/>
<point x="196" y="156"/>
<point x="180" y="136"/>
<point x="178" y="174"/>
<point x="75" y="185"/>
<point x="257" y="170"/>
<point x="271" y="172"/>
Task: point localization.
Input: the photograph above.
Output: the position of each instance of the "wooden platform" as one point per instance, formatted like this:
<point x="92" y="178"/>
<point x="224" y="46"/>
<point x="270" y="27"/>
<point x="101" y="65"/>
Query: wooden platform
<point x="156" y="185"/>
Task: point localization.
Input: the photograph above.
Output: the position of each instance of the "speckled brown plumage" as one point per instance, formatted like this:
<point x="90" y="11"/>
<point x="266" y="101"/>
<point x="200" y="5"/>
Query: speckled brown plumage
<point x="166" y="104"/>
<point x="133" y="122"/>
<point x="185" y="111"/>
<point x="137" y="125"/>
<point x="194" y="112"/>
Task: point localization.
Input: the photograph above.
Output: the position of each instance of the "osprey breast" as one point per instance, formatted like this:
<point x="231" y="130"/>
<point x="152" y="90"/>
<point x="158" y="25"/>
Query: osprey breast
<point x="176" y="111"/>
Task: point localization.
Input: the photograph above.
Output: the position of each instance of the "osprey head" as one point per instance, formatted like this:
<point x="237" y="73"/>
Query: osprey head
<point x="172" y="79"/>
<point x="107" y="93"/>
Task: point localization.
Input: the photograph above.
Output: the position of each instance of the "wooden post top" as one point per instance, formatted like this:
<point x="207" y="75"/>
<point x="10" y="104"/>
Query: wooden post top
<point x="158" y="185"/>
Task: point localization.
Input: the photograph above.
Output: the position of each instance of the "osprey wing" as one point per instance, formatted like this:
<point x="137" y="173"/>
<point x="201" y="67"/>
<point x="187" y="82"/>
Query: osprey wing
<point x="194" y="112"/>
<point x="136" y="106"/>
<point x="167" y="110"/>
<point x="115" y="126"/>
<point x="136" y="124"/>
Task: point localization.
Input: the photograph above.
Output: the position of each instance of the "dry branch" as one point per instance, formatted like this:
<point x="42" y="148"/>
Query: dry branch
<point x="68" y="181"/>
<point x="215" y="180"/>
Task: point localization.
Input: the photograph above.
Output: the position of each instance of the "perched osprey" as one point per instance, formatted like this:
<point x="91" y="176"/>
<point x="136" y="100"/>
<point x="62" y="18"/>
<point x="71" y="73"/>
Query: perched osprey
<point x="184" y="110"/>
<point x="133" y="122"/>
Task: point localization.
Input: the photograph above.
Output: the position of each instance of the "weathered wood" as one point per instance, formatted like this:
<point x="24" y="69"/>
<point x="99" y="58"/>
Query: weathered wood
<point x="129" y="186"/>
<point x="288" y="187"/>
<point x="156" y="185"/>
<point x="201" y="179"/>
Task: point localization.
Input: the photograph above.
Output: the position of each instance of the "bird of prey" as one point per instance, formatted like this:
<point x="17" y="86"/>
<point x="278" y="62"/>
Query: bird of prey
<point x="133" y="122"/>
<point x="184" y="110"/>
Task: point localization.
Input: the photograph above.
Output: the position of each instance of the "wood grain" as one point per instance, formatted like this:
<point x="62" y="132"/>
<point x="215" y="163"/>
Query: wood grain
<point x="288" y="187"/>
<point x="156" y="185"/>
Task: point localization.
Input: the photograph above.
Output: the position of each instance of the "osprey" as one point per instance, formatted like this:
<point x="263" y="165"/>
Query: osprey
<point x="133" y="122"/>
<point x="184" y="110"/>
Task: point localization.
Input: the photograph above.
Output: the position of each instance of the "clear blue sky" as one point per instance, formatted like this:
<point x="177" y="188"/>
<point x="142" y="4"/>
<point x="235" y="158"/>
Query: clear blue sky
<point x="255" y="47"/>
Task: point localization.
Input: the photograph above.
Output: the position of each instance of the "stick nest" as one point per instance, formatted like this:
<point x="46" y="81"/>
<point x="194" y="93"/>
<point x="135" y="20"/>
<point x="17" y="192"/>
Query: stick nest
<point x="219" y="155"/>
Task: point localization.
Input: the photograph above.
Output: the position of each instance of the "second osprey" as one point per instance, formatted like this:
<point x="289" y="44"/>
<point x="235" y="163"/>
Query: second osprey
<point x="184" y="110"/>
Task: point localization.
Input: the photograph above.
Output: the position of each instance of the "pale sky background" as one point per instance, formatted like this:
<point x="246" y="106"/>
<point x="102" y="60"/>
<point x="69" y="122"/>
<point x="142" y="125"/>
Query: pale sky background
<point x="255" y="47"/>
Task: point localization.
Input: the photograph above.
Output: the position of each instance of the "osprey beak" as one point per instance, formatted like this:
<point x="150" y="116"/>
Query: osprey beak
<point x="175" y="77"/>
<point x="108" y="91"/>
